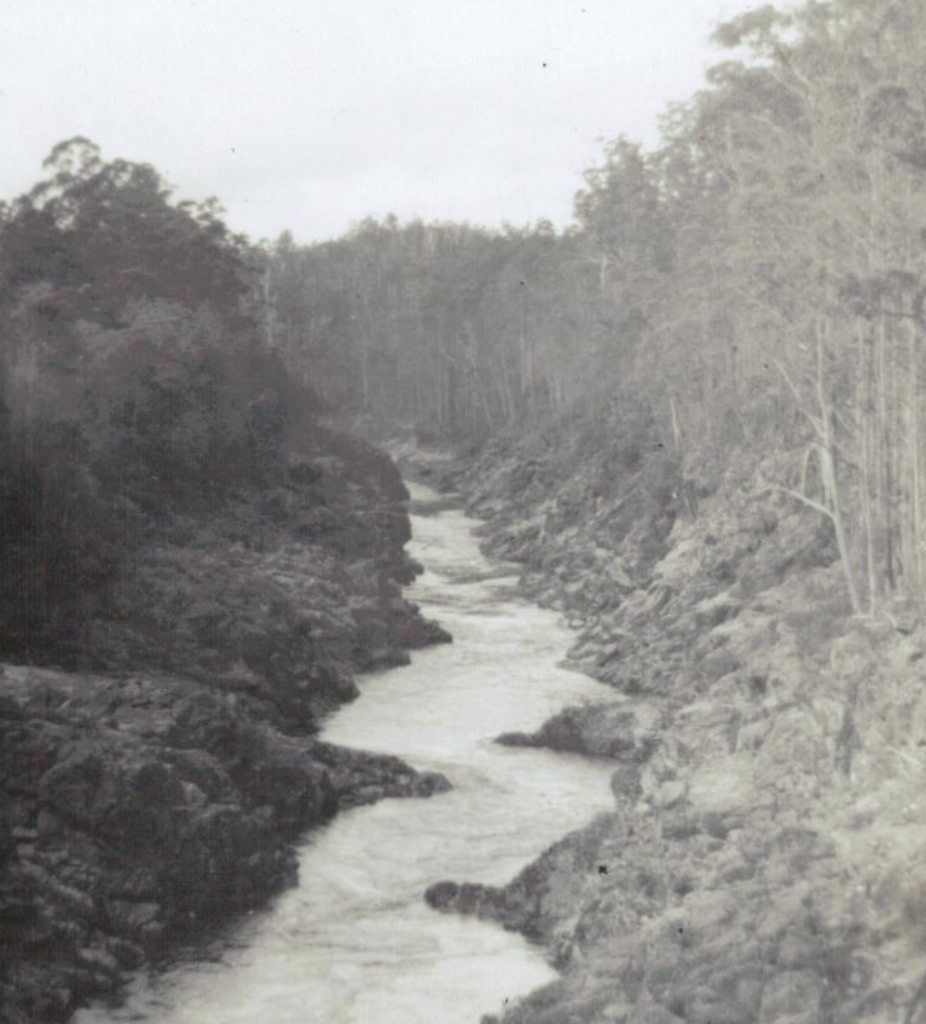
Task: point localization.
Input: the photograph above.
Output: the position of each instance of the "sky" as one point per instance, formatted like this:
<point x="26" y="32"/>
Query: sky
<point x="308" y="115"/>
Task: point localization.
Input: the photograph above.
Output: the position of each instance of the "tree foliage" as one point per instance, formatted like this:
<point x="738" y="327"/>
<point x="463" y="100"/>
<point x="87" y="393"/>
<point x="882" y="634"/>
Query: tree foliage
<point x="758" y="279"/>
<point x="135" y="381"/>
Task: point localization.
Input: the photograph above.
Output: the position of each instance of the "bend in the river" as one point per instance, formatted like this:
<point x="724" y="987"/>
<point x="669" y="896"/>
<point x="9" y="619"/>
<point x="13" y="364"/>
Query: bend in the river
<point x="354" y="942"/>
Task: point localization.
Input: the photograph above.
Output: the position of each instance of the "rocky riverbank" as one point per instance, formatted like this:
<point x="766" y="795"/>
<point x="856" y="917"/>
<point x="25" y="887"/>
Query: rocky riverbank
<point x="159" y="788"/>
<point x="764" y="861"/>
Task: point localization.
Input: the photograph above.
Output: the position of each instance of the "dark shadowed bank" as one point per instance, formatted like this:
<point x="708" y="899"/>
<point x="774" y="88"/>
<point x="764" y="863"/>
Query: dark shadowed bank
<point x="148" y="797"/>
<point x="763" y="863"/>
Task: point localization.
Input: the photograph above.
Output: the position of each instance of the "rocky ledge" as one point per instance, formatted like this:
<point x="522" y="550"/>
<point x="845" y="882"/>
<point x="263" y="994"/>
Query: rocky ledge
<point x="622" y="732"/>
<point x="159" y="787"/>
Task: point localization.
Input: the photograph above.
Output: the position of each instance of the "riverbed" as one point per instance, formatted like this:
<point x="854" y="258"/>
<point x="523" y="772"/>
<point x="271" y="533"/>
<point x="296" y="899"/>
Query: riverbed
<point x="354" y="942"/>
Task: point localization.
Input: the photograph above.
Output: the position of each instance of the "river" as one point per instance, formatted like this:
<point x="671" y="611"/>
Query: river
<point x="354" y="942"/>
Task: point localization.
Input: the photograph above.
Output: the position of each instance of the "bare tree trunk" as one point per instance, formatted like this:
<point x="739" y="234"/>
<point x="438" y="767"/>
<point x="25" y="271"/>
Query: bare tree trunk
<point x="916" y="529"/>
<point x="831" y="478"/>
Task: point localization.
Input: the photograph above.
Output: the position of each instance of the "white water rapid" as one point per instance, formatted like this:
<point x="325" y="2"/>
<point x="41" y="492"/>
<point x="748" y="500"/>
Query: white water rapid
<point x="354" y="942"/>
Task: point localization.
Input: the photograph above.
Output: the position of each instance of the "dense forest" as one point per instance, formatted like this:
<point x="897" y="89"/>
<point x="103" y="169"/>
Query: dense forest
<point x="755" y="284"/>
<point x="136" y="382"/>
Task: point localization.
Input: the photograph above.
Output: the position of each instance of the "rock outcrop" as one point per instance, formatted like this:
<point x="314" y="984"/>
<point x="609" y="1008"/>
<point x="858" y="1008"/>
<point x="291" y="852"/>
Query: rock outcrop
<point x="159" y="790"/>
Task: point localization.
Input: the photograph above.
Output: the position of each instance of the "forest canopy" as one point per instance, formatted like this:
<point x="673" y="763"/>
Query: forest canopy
<point x="753" y="287"/>
<point x="135" y="379"/>
<point x="755" y="283"/>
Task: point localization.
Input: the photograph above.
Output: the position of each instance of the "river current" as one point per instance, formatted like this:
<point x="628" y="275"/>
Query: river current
<point x="354" y="942"/>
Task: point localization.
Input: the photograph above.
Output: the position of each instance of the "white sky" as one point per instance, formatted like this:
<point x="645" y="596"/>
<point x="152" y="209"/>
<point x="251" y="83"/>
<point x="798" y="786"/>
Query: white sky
<point x="311" y="114"/>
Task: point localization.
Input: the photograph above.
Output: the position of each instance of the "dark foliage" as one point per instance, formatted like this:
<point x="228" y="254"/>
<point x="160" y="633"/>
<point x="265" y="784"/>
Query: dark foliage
<point x="136" y="383"/>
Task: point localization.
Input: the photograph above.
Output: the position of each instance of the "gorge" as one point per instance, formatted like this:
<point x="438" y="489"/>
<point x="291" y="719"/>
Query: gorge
<point x="648" y="673"/>
<point x="355" y="941"/>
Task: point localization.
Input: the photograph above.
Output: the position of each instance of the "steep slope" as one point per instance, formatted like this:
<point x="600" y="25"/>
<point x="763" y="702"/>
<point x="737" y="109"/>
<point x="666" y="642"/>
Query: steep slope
<point x="763" y="862"/>
<point x="159" y="790"/>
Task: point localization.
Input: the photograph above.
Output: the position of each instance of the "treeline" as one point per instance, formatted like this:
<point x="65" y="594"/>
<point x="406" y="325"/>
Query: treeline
<point x="756" y="283"/>
<point x="135" y="382"/>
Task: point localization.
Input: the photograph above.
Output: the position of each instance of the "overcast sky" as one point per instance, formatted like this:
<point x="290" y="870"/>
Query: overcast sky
<point x="311" y="114"/>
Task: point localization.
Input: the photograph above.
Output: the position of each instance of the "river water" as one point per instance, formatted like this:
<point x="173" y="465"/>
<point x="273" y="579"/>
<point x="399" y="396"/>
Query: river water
<point x="354" y="942"/>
